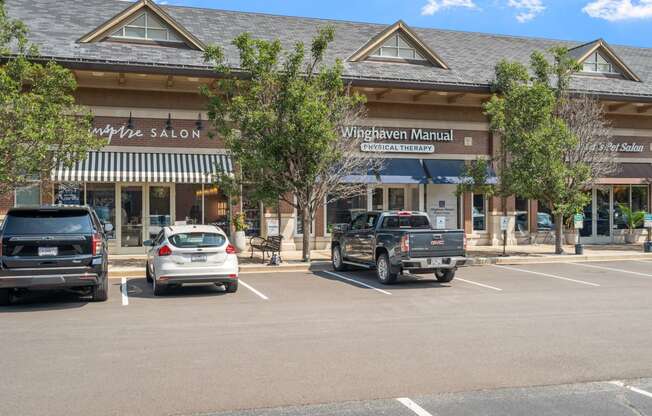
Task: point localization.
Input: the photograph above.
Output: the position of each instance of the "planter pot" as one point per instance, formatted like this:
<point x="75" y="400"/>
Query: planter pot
<point x="630" y="238"/>
<point x="570" y="237"/>
<point x="240" y="241"/>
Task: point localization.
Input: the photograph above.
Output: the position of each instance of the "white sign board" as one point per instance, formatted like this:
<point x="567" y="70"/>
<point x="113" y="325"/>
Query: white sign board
<point x="648" y="221"/>
<point x="272" y="227"/>
<point x="440" y="223"/>
<point x="397" y="148"/>
<point x="504" y="223"/>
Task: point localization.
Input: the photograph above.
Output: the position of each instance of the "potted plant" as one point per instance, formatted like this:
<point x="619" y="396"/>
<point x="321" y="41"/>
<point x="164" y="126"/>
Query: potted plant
<point x="240" y="240"/>
<point x="570" y="233"/>
<point x="632" y="220"/>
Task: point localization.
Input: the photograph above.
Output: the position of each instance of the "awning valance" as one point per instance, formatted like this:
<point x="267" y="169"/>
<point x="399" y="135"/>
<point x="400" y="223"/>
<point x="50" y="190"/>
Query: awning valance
<point x="629" y="174"/>
<point x="446" y="171"/>
<point x="393" y="171"/>
<point x="145" y="167"/>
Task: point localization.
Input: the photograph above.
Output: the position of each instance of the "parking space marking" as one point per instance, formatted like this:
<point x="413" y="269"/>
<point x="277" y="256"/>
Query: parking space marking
<point x="554" y="276"/>
<point x="479" y="284"/>
<point x="124" y="290"/>
<point x="611" y="269"/>
<point x="420" y="411"/>
<point x="253" y="290"/>
<point x="632" y="388"/>
<point x="339" y="276"/>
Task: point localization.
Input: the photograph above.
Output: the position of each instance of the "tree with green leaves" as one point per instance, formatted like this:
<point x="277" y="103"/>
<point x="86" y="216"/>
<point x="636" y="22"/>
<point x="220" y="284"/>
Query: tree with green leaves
<point x="41" y="127"/>
<point x="281" y="114"/>
<point x="554" y="141"/>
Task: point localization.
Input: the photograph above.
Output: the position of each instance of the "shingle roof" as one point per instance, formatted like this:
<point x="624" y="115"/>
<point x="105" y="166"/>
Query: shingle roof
<point x="56" y="25"/>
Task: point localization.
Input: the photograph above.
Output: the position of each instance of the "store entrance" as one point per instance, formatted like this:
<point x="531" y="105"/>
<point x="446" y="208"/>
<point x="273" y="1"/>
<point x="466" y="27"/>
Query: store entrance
<point x="144" y="211"/>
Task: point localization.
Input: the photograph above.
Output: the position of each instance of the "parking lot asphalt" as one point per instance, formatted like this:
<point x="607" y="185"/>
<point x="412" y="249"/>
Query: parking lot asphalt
<point x="340" y="341"/>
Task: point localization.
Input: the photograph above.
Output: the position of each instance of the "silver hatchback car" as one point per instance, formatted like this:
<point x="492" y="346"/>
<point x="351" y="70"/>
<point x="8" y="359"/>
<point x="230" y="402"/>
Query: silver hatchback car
<point x="182" y="254"/>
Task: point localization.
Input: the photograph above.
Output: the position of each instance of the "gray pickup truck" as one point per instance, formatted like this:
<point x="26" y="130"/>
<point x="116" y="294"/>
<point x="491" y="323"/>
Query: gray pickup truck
<point x="398" y="242"/>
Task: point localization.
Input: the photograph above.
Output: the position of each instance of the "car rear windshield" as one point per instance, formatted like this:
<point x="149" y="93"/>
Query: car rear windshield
<point x="407" y="221"/>
<point x="48" y="222"/>
<point x="195" y="240"/>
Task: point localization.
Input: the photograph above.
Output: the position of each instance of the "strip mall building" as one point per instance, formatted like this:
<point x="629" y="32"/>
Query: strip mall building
<point x="139" y="67"/>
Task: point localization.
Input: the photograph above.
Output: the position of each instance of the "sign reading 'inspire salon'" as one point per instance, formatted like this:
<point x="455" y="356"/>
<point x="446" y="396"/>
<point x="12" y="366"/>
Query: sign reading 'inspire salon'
<point x="397" y="139"/>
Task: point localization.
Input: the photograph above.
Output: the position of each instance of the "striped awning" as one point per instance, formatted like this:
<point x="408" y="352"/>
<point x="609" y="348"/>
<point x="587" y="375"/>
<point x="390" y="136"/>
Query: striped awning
<point x="145" y="167"/>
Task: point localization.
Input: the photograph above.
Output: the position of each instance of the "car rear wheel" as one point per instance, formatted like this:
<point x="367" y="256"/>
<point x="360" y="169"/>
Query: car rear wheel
<point x="101" y="290"/>
<point x="231" y="287"/>
<point x="148" y="274"/>
<point x="444" y="275"/>
<point x="5" y="297"/>
<point x="384" y="270"/>
<point x="158" y="289"/>
<point x="337" y="260"/>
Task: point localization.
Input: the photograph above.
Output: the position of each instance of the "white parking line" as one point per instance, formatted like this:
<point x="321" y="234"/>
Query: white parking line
<point x="611" y="269"/>
<point x="124" y="290"/>
<point x="479" y="284"/>
<point x="339" y="276"/>
<point x="632" y="388"/>
<point x="420" y="411"/>
<point x="253" y="290"/>
<point x="548" y="275"/>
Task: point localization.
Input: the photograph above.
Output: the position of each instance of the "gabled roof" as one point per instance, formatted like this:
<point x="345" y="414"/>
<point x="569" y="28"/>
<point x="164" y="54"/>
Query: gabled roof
<point x="582" y="52"/>
<point x="400" y="26"/>
<point x="106" y="28"/>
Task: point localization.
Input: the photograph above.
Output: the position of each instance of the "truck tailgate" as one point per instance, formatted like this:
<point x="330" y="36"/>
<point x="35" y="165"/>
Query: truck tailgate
<point x="435" y="243"/>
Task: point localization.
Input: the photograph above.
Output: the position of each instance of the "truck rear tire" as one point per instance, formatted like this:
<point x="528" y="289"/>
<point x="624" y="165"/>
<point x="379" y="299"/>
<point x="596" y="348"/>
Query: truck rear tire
<point x="101" y="290"/>
<point x="337" y="260"/>
<point x="5" y="297"/>
<point x="148" y="274"/>
<point x="384" y="270"/>
<point x="444" y="275"/>
<point x="231" y="287"/>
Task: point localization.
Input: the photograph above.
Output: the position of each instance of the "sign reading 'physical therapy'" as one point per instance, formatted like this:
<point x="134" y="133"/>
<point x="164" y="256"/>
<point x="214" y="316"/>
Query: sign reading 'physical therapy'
<point x="397" y="139"/>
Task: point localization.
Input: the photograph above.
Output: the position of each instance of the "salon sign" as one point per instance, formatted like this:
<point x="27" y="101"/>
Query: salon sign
<point x="397" y="139"/>
<point x="122" y="132"/>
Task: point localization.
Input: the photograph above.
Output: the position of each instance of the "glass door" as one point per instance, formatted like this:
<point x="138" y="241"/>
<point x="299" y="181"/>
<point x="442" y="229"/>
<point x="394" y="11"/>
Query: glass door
<point x="131" y="216"/>
<point x="160" y="209"/>
<point x="602" y="217"/>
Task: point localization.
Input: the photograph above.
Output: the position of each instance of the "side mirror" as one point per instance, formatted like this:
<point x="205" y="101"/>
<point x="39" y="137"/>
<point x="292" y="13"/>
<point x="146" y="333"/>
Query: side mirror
<point x="108" y="228"/>
<point x="148" y="243"/>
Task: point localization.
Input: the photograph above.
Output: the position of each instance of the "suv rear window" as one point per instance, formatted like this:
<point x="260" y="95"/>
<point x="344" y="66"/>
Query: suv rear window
<point x="408" y="221"/>
<point x="48" y="222"/>
<point x="196" y="240"/>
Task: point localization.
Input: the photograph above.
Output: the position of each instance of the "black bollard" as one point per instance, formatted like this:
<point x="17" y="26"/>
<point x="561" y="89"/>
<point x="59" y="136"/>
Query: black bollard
<point x="579" y="249"/>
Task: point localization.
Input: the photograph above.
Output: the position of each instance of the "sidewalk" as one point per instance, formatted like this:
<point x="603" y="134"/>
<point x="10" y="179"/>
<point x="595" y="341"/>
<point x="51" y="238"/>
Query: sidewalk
<point x="134" y="265"/>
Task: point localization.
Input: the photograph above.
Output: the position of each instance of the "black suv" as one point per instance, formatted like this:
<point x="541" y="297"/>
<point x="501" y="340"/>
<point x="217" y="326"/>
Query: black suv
<point x="54" y="247"/>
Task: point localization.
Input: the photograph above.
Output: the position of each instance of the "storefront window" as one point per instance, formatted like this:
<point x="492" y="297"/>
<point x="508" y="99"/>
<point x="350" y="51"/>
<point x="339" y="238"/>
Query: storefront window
<point x="342" y="211"/>
<point x="522" y="214"/>
<point x="414" y="192"/>
<point x="69" y="194"/>
<point x="396" y="199"/>
<point x="188" y="203"/>
<point x="216" y="210"/>
<point x="545" y="219"/>
<point x="377" y="199"/>
<point x="299" y="227"/>
<point x="640" y="199"/>
<point x="101" y="197"/>
<point x="159" y="209"/>
<point x="621" y="197"/>
<point x="479" y="212"/>
<point x="28" y="195"/>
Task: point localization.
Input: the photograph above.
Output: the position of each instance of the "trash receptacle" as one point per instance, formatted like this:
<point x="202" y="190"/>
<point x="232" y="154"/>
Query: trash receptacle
<point x="579" y="249"/>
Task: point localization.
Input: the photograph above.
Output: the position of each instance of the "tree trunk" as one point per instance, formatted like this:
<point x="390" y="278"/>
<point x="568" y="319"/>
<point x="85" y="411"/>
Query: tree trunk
<point x="305" y="255"/>
<point x="559" y="233"/>
<point x="278" y="218"/>
<point x="503" y="202"/>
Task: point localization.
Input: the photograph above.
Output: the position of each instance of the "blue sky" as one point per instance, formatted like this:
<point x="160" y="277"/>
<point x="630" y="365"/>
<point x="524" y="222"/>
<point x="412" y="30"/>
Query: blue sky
<point x="627" y="22"/>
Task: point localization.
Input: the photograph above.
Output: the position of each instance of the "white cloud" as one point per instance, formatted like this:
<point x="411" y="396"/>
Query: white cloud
<point x="433" y="6"/>
<point x="527" y="9"/>
<point x="614" y="10"/>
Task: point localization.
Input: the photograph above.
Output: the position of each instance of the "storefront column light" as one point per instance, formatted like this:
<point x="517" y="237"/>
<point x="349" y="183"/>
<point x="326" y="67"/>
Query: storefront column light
<point x="168" y="122"/>
<point x="199" y="124"/>
<point x="130" y="122"/>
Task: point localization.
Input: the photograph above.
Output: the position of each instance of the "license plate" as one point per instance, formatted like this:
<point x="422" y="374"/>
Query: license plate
<point x="435" y="262"/>
<point x="48" y="251"/>
<point x="196" y="258"/>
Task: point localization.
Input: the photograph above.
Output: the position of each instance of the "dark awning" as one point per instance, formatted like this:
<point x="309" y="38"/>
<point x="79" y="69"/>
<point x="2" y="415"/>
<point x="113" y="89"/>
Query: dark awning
<point x="445" y="171"/>
<point x="393" y="171"/>
<point x="629" y="173"/>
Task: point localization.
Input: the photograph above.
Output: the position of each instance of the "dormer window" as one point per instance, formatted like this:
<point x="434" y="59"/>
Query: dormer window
<point x="599" y="64"/>
<point x="397" y="47"/>
<point x="146" y="27"/>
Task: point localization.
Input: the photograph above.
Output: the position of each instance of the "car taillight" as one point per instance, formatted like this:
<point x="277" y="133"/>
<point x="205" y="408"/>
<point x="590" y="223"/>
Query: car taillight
<point x="230" y="249"/>
<point x="96" y="244"/>
<point x="405" y="243"/>
<point x="164" y="251"/>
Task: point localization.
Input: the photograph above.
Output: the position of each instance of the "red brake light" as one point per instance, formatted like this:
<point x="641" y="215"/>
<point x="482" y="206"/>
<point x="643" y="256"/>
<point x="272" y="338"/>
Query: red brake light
<point x="404" y="213"/>
<point x="96" y="244"/>
<point x="405" y="243"/>
<point x="164" y="251"/>
<point x="230" y="249"/>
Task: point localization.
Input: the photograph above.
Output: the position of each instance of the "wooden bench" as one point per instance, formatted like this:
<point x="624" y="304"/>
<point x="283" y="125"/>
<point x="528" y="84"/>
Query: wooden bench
<point x="266" y="245"/>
